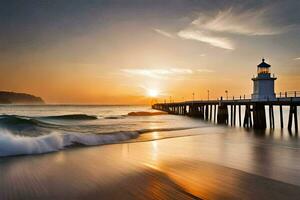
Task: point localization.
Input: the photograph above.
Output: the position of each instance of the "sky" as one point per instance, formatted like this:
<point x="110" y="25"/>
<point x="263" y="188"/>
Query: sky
<point x="126" y="51"/>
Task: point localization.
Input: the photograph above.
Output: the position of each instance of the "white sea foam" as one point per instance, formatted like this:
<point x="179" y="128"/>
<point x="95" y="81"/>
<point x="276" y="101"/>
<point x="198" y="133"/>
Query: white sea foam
<point x="11" y="144"/>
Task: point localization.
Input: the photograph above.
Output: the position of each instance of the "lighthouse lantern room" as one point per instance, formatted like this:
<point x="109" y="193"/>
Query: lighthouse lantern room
<point x="263" y="83"/>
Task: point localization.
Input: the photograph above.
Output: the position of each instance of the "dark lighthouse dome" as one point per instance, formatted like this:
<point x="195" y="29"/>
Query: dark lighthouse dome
<point x="263" y="68"/>
<point x="263" y="64"/>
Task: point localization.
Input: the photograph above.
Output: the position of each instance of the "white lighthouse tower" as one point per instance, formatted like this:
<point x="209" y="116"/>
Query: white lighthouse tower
<point x="263" y="83"/>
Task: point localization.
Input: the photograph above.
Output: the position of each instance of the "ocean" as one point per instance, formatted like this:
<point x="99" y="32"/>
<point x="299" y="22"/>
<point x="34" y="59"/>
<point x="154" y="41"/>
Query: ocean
<point x="37" y="129"/>
<point x="61" y="152"/>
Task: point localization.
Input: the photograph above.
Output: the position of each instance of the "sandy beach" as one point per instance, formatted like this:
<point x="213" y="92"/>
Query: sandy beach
<point x="216" y="164"/>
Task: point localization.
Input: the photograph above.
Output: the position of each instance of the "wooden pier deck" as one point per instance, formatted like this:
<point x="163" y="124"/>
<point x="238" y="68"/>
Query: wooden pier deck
<point x="254" y="111"/>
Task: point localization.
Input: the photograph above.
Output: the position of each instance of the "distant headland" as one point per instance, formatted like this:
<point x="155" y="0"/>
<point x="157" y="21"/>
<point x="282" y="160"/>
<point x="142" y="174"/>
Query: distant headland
<point x="19" y="98"/>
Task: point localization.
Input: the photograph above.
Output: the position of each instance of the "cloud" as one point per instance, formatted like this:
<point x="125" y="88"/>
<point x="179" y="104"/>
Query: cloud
<point x="297" y="58"/>
<point x="201" y="36"/>
<point x="218" y="29"/>
<point x="244" y="22"/>
<point x="205" y="70"/>
<point x="164" y="33"/>
<point x="158" y="73"/>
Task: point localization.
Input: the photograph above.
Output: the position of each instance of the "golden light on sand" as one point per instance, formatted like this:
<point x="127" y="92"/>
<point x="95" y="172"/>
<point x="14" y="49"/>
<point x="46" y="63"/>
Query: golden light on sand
<point x="152" y="93"/>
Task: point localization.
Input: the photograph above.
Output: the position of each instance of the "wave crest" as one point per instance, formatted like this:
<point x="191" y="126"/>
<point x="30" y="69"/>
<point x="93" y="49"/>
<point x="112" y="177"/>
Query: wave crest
<point x="72" y="117"/>
<point x="11" y="144"/>
<point x="11" y="120"/>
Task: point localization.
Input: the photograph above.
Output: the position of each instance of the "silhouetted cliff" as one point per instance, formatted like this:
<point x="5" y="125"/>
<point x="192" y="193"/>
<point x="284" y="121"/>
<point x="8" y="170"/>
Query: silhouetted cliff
<point x="19" y="98"/>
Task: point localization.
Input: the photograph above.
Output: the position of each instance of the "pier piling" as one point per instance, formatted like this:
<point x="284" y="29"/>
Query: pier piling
<point x="296" y="119"/>
<point x="259" y="116"/>
<point x="215" y="110"/>
<point x="281" y="117"/>
<point x="234" y="114"/>
<point x="240" y="117"/>
<point x="231" y="115"/>
<point x="247" y="119"/>
<point x="271" y="116"/>
<point x="222" y="116"/>
<point x="293" y="114"/>
<point x="210" y="112"/>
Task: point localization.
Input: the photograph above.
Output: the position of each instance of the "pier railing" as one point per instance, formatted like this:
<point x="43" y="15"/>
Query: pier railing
<point x="278" y="95"/>
<point x="288" y="94"/>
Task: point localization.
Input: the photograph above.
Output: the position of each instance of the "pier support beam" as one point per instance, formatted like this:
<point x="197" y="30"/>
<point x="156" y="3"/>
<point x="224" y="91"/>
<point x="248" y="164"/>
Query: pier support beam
<point x="222" y="116"/>
<point x="271" y="117"/>
<point x="210" y="112"/>
<point x="240" y="116"/>
<point x="281" y="117"/>
<point x="259" y="116"/>
<point x="201" y="112"/>
<point x="231" y="115"/>
<point x="206" y="112"/>
<point x="248" y="118"/>
<point x="191" y="110"/>
<point x="293" y="111"/>
<point x="296" y="119"/>
<point x="215" y="112"/>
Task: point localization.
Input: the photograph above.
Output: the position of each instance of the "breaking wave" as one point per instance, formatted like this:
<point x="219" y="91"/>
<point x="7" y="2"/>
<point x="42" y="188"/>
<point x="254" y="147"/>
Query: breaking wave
<point x="11" y="144"/>
<point x="22" y="135"/>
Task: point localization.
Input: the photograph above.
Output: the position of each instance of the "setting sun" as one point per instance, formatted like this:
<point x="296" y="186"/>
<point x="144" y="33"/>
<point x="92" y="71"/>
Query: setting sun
<point x="152" y="93"/>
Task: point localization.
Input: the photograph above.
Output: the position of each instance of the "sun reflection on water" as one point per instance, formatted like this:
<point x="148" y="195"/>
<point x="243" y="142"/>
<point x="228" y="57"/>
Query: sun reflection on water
<point x="154" y="150"/>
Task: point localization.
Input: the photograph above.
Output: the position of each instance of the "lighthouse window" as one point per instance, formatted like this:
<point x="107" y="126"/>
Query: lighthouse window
<point x="263" y="70"/>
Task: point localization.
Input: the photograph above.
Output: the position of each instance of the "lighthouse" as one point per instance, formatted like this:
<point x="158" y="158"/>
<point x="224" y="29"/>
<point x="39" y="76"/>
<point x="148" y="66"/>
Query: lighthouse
<point x="263" y="83"/>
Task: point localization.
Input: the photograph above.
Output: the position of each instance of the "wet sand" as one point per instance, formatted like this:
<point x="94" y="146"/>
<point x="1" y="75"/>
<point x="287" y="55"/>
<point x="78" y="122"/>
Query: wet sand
<point x="219" y="163"/>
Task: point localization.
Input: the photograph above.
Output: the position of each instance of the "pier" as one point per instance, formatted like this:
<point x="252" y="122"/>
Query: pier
<point x="254" y="108"/>
<point x="254" y="112"/>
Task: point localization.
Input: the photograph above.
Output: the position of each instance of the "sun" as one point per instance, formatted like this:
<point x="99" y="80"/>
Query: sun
<point x="152" y="93"/>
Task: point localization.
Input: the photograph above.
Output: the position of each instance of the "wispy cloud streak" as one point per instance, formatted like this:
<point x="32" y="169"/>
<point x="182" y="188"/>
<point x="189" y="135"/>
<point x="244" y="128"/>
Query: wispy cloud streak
<point x="158" y="73"/>
<point x="164" y="33"/>
<point x="205" y="70"/>
<point x="166" y="73"/>
<point x="245" y="22"/>
<point x="201" y="36"/>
